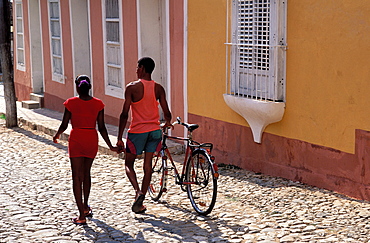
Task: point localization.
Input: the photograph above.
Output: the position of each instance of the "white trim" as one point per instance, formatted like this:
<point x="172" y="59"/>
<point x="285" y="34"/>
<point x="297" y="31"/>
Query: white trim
<point x="21" y="67"/>
<point x="185" y="63"/>
<point x="60" y="78"/>
<point x="138" y="26"/>
<point x="112" y="90"/>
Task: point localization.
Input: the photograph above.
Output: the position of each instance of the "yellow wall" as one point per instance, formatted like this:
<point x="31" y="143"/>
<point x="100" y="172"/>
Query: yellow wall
<point x="328" y="77"/>
<point x="207" y="61"/>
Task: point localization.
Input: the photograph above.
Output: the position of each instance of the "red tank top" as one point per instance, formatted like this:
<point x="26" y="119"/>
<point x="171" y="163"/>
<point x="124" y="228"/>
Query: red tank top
<point x="145" y="113"/>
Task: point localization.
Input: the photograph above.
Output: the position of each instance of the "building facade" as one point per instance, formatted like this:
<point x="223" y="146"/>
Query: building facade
<point x="279" y="86"/>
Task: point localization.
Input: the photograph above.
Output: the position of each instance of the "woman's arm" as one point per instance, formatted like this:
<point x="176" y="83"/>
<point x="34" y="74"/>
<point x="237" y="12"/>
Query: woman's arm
<point x="63" y="126"/>
<point x="103" y="130"/>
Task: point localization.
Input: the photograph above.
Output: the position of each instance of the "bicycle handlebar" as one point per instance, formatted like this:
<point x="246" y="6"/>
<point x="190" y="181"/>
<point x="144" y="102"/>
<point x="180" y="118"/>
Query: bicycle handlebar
<point x="190" y="127"/>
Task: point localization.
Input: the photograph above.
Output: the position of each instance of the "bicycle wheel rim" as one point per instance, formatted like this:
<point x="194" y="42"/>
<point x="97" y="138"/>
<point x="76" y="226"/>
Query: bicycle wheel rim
<point x="158" y="180"/>
<point x="201" y="182"/>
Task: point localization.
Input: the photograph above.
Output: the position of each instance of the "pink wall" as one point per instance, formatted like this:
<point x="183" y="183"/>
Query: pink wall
<point x="56" y="93"/>
<point x="177" y="60"/>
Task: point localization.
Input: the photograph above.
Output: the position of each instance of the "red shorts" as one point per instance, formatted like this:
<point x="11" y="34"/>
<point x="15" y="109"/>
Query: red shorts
<point x="83" y="143"/>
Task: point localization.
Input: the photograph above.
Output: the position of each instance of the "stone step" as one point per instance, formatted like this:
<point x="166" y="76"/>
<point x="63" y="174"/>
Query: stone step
<point x="30" y="104"/>
<point x="38" y="97"/>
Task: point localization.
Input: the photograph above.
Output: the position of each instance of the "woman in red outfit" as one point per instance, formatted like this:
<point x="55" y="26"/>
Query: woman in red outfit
<point x="84" y="112"/>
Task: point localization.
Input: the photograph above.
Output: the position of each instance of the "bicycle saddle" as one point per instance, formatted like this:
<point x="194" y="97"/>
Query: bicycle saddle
<point x="192" y="127"/>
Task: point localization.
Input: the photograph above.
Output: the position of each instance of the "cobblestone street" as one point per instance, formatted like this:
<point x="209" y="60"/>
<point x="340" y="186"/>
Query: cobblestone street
<point x="36" y="204"/>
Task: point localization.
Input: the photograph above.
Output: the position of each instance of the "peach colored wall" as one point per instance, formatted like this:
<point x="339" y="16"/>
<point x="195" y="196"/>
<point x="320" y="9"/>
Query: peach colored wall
<point x="23" y="85"/>
<point x="177" y="60"/>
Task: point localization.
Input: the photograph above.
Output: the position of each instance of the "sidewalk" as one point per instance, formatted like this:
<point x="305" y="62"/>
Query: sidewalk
<point x="48" y="121"/>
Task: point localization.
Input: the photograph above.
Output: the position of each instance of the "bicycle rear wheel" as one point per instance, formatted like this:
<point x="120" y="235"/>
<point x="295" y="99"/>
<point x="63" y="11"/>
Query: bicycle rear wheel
<point x="201" y="182"/>
<point x="159" y="178"/>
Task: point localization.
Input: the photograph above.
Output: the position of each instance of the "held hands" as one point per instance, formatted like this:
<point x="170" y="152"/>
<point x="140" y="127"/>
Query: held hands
<point x="114" y="149"/>
<point x="120" y="146"/>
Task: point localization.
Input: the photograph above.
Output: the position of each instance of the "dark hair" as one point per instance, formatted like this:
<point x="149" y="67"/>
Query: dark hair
<point x="84" y="86"/>
<point x="148" y="64"/>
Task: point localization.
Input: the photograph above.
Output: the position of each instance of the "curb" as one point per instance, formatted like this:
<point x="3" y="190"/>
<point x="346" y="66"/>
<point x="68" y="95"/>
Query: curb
<point x="175" y="148"/>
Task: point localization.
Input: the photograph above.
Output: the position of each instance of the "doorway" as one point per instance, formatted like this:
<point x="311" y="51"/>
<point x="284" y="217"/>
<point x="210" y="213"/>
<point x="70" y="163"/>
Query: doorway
<point x="153" y="37"/>
<point x="37" y="76"/>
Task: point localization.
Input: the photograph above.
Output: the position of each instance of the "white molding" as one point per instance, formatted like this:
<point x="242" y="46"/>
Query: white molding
<point x="258" y="114"/>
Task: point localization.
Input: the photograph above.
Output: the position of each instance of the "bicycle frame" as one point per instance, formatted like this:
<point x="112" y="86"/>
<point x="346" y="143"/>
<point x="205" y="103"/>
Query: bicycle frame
<point x="191" y="146"/>
<point x="165" y="152"/>
<point x="199" y="172"/>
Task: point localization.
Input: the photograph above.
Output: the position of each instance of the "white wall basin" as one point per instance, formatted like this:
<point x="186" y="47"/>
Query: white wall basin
<point x="259" y="114"/>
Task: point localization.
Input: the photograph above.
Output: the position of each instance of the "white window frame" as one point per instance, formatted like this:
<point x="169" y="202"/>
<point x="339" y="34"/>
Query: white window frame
<point x="259" y="77"/>
<point x="56" y="76"/>
<point x="116" y="90"/>
<point x="20" y="35"/>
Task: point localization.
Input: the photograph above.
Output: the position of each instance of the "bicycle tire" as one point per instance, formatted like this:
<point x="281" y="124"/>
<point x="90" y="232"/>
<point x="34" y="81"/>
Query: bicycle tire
<point x="158" y="181"/>
<point x="201" y="180"/>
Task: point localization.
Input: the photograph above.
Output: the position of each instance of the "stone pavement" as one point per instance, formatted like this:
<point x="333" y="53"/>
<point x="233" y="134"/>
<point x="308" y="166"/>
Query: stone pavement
<point x="36" y="203"/>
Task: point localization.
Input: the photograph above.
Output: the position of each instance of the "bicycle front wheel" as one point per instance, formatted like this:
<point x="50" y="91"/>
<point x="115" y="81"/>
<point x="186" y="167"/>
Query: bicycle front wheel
<point x="159" y="178"/>
<point x="201" y="182"/>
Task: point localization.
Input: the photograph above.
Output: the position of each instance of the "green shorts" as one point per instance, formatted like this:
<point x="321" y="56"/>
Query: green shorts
<point x="148" y="141"/>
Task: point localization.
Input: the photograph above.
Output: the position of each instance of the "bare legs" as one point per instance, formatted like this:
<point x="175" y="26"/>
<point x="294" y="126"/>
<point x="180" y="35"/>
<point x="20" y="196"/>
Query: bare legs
<point x="131" y="174"/>
<point x="81" y="178"/>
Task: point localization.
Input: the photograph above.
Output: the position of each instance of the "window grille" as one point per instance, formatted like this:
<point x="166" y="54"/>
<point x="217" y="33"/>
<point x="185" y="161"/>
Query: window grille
<point x="257" y="65"/>
<point x="20" y="35"/>
<point x="113" y="45"/>
<point x="56" y="41"/>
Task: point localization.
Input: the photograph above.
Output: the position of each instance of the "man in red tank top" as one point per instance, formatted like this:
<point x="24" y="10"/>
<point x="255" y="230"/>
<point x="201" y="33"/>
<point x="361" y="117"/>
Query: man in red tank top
<point x="144" y="134"/>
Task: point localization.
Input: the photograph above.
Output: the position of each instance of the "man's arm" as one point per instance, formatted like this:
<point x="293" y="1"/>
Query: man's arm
<point x="161" y="94"/>
<point x="124" y="116"/>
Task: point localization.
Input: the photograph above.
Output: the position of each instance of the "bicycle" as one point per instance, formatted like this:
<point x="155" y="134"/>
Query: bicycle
<point x="199" y="172"/>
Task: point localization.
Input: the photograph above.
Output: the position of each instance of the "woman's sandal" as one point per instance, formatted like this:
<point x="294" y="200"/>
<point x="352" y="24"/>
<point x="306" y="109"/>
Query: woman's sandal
<point x="79" y="222"/>
<point x="88" y="213"/>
